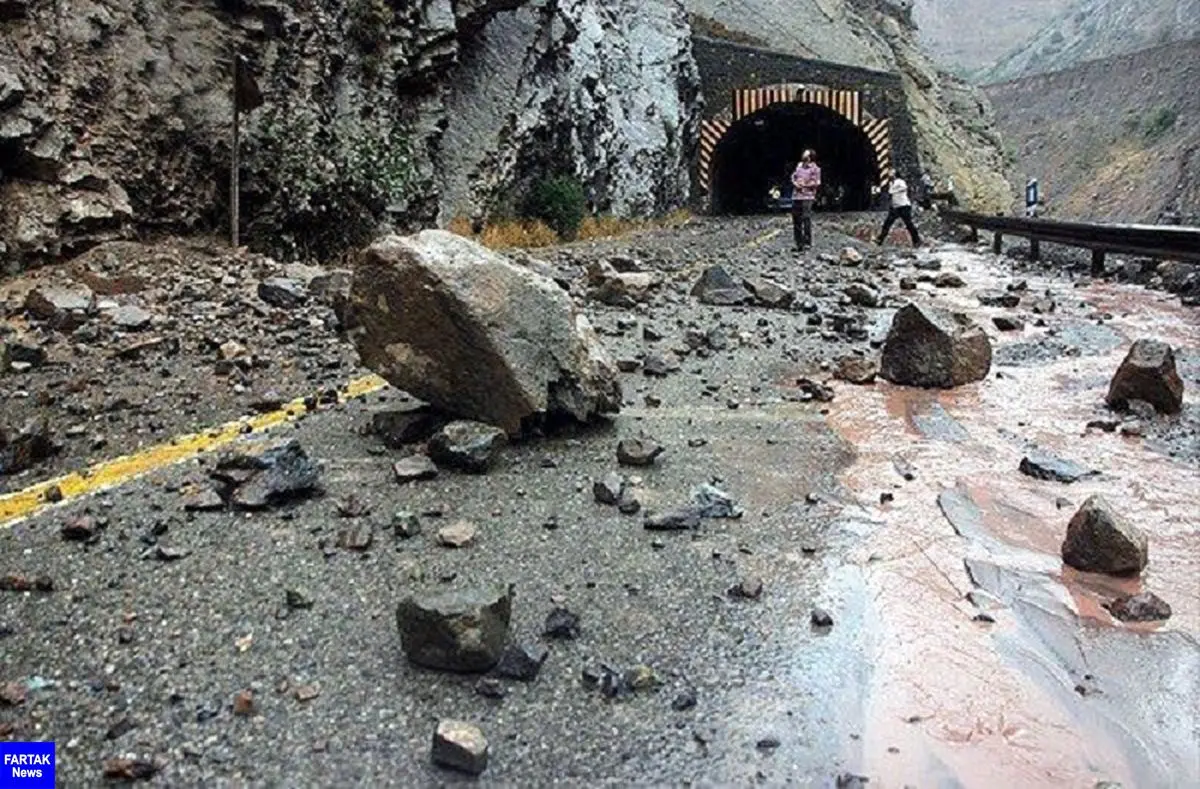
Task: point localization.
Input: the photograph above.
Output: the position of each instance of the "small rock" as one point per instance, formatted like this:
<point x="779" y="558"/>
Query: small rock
<point x="298" y="599"/>
<point x="460" y="746"/>
<point x="767" y="744"/>
<point x="63" y="307"/>
<point x="948" y="279"/>
<point x="406" y="525"/>
<point x="307" y="692"/>
<point x="769" y="294"/>
<point x="814" y="390"/>
<point x="490" y="688"/>
<point x="413" y="468"/>
<point x="468" y="446"/>
<point x="709" y="501"/>
<point x="608" y="490"/>
<point x="639" y="451"/>
<point x="131" y="317"/>
<point x="862" y="295"/>
<point x="561" y="624"/>
<point x="748" y="589"/>
<point x="459" y="534"/>
<point x="851" y="256"/>
<point x="642" y="678"/>
<point x="283" y="292"/>
<point x="686" y="700"/>
<point x="1148" y="374"/>
<point x="12" y="694"/>
<point x="1100" y="541"/>
<point x="821" y="618"/>
<point x="352" y="507"/>
<point x="80" y="529"/>
<point x="1042" y="465"/>
<point x="932" y="348"/>
<point x="1008" y="323"/>
<point x="122" y="769"/>
<point x="660" y="364"/>
<point x="522" y="662"/>
<point x="462" y="631"/>
<point x="207" y="500"/>
<point x="673" y="520"/>
<point x="268" y="475"/>
<point x="630" y="502"/>
<point x="908" y="283"/>
<point x="856" y="370"/>
<point x="243" y="703"/>
<point x="401" y="428"/>
<point x="357" y="537"/>
<point x="716" y="287"/>
<point x="1143" y="607"/>
<point x="998" y="298"/>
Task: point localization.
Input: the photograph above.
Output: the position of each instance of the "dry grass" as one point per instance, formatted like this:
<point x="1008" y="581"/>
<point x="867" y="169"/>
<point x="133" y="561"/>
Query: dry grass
<point x="529" y="234"/>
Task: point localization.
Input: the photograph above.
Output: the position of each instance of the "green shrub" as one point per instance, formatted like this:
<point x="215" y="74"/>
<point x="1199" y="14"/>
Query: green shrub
<point x="560" y="202"/>
<point x="1158" y="122"/>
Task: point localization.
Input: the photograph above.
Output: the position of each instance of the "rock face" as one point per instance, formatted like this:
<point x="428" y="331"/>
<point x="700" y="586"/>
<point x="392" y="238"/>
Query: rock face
<point x="1148" y="374"/>
<point x="466" y="330"/>
<point x="463" y="631"/>
<point x="1100" y="541"/>
<point x="934" y="349"/>
<point x="374" y="111"/>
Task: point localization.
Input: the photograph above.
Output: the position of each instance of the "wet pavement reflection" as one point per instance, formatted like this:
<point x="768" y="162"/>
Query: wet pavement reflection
<point x="1032" y="683"/>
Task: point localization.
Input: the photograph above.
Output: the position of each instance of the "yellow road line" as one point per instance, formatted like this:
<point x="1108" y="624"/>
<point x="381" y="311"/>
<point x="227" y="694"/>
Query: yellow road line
<point x="764" y="238"/>
<point x="23" y="503"/>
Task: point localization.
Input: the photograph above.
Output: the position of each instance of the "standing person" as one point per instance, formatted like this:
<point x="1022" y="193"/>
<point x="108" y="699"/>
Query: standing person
<point x="806" y="180"/>
<point x="1031" y="197"/>
<point x="901" y="209"/>
<point x="927" y="190"/>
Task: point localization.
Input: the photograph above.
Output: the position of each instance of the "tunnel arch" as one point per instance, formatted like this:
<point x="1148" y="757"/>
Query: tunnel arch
<point x="755" y="145"/>
<point x="761" y="150"/>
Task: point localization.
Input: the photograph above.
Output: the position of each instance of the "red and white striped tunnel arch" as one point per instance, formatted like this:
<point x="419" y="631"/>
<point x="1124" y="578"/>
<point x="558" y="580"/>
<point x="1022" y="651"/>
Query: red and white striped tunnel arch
<point x="747" y="101"/>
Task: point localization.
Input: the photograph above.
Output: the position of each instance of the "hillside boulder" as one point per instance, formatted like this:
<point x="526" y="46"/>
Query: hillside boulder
<point x="934" y="349"/>
<point x="1148" y="374"/>
<point x="471" y="333"/>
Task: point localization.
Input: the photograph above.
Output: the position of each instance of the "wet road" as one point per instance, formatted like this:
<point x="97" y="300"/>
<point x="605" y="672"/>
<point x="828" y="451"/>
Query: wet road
<point x="906" y="689"/>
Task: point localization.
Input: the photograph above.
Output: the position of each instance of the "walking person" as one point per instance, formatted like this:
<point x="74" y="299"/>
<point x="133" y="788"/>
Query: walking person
<point x="901" y="208"/>
<point x="806" y="180"/>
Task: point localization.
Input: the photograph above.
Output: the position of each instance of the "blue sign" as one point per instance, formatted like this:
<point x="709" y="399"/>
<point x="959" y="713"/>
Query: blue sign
<point x="26" y="765"/>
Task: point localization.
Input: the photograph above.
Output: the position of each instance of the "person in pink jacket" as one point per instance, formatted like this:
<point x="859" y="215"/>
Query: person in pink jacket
<point x="806" y="180"/>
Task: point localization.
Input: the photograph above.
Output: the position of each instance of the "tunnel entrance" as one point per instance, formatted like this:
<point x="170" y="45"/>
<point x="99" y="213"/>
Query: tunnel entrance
<point x="760" y="151"/>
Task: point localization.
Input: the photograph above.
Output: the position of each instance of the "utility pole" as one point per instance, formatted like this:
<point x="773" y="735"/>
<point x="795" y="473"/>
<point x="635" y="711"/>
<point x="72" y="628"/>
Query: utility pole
<point x="246" y="97"/>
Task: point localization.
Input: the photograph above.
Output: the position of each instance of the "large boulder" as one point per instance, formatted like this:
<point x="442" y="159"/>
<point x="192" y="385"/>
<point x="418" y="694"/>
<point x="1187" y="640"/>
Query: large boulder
<point x="1101" y="541"/>
<point x="464" y="631"/>
<point x="471" y="333"/>
<point x="1148" y="374"/>
<point x="718" y="288"/>
<point x="934" y="349"/>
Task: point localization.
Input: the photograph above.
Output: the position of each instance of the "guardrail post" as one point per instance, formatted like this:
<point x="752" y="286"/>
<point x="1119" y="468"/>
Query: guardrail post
<point x="1035" y="249"/>
<point x="997" y="244"/>
<point x="1097" y="262"/>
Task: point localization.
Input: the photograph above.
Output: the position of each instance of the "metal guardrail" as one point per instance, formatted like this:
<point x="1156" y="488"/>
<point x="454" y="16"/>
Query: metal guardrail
<point x="1152" y="241"/>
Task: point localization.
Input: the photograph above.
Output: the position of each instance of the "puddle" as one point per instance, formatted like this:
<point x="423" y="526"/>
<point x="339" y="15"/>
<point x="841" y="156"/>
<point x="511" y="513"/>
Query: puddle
<point x="1054" y="692"/>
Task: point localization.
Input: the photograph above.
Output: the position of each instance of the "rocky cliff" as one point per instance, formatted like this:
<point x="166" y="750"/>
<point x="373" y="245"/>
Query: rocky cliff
<point x="968" y="36"/>
<point x="956" y="135"/>
<point x="115" y="114"/>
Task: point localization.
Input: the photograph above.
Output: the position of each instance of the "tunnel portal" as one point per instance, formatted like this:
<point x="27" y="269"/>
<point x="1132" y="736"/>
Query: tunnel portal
<point x="760" y="151"/>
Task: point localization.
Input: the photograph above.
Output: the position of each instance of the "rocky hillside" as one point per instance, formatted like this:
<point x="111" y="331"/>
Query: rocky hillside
<point x="972" y="35"/>
<point x="1115" y="139"/>
<point x="955" y="128"/>
<point x="116" y="113"/>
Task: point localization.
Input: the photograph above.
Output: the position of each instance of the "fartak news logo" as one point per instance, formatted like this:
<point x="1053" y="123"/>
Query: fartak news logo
<point x="26" y="765"/>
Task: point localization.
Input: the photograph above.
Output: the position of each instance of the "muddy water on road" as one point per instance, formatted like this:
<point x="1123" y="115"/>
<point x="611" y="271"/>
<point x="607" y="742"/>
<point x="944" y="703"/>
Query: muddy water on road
<point x="1054" y="692"/>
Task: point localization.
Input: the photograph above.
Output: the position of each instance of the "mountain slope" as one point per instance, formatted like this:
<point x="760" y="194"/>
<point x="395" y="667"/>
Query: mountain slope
<point x="970" y="35"/>
<point x="1113" y="139"/>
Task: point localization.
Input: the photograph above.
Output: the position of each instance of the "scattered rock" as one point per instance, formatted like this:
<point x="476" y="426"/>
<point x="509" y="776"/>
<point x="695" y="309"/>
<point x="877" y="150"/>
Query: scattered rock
<point x="123" y="769"/>
<point x="13" y="694"/>
<point x="267" y="475"/>
<point x="413" y="468"/>
<point x="243" y="704"/>
<point x="352" y="507"/>
<point x="630" y="502"/>
<point x="908" y="283"/>
<point x="748" y="589"/>
<point x="686" y="700"/>
<point x="406" y="525"/>
<point x="305" y="693"/>
<point x="63" y="307"/>
<point x="490" y="688"/>
<point x="641" y="450"/>
<point x="948" y="279"/>
<point x="851" y="256"/>
<point x="821" y="618"/>
<point x="660" y="364"/>
<point x="1042" y="465"/>
<point x="298" y="599"/>
<point x="468" y="446"/>
<point x="862" y="295"/>
<point x="1101" y="541"/>
<point x="1008" y="323"/>
<point x="1142" y="607"/>
<point x="462" y="631"/>
<point x="815" y="391"/>
<point x="619" y="288"/>
<point x="769" y="294"/>
<point x="999" y="298"/>
<point x="1148" y="373"/>
<point x="712" y="502"/>
<point x="459" y="534"/>
<point x="81" y="529"/>
<point x="357" y="537"/>
<point x="608" y="490"/>
<point x="22" y="583"/>
<point x="672" y="520"/>
<point x="460" y="746"/>
<point x="717" y="288"/>
<point x="401" y="428"/>
<point x="932" y="348"/>
<point x="522" y="662"/>
<point x="476" y="335"/>
<point x="856" y="370"/>
<point x="131" y="318"/>
<point x="283" y="292"/>
<point x="30" y="446"/>
<point x="561" y="624"/>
